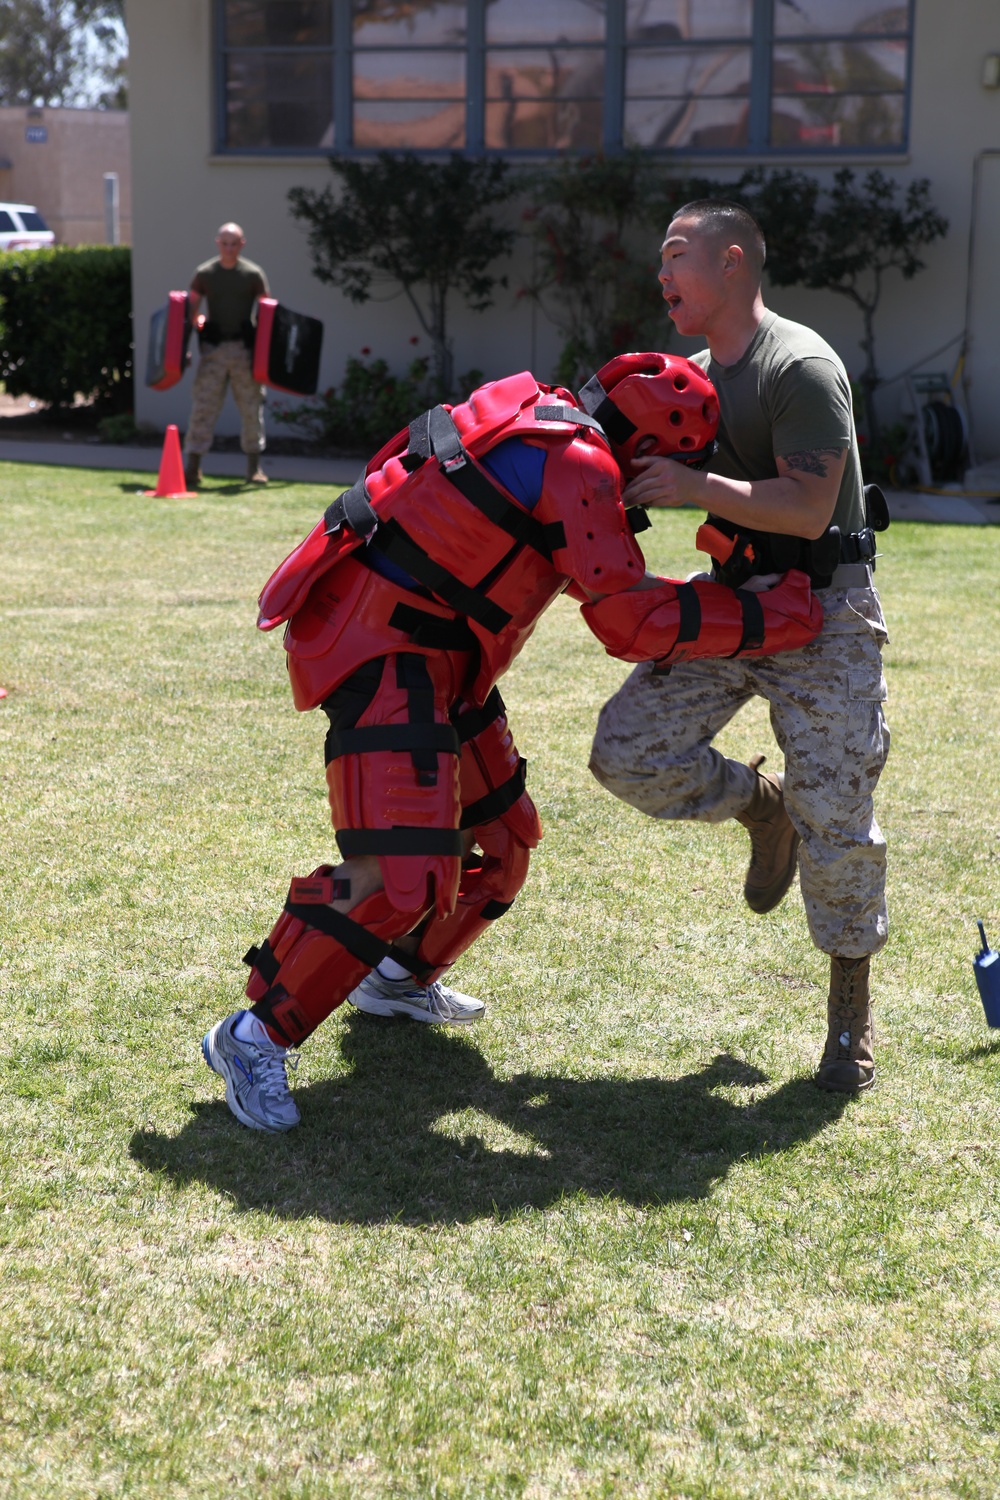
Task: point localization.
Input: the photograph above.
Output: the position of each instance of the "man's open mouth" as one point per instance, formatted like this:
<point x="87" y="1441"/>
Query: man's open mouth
<point x="672" y="300"/>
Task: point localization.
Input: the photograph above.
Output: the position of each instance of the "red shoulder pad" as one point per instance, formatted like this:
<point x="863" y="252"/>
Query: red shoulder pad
<point x="686" y="621"/>
<point x="286" y="589"/>
<point x="583" y="491"/>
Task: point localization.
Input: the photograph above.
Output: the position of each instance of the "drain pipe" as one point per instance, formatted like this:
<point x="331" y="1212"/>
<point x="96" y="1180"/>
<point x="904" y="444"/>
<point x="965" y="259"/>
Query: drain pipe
<point x="970" y="270"/>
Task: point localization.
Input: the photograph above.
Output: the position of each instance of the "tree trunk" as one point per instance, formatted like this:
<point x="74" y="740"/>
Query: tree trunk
<point x="869" y="375"/>
<point x="443" y="359"/>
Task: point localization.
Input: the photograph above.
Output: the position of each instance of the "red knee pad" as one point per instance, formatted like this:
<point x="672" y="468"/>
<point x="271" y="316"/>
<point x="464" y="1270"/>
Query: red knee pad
<point x="303" y="971"/>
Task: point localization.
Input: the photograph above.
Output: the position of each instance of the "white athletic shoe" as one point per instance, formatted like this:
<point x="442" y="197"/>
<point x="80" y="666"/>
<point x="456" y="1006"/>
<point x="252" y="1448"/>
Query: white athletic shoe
<point x="254" y="1074"/>
<point x="435" y="1003"/>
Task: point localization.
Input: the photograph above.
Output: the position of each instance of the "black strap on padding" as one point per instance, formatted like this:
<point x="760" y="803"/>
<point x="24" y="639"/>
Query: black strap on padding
<point x="474" y="720"/>
<point x="439" y="738"/>
<point x="353" y="509"/>
<point x="431" y="631"/>
<point x="414" y="679"/>
<point x="560" y="412"/>
<point x="399" y="839"/>
<point x="264" y="961"/>
<point x="495" y="803"/>
<point x="637" y="517"/>
<point x="753" y="622"/>
<point x="494" y="909"/>
<point x="689" y="604"/>
<point x="358" y="941"/>
<point x="595" y="400"/>
<point x="395" y="544"/>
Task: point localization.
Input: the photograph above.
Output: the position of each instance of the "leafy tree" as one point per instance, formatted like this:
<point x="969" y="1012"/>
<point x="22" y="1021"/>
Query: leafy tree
<point x="425" y="228"/>
<point x="844" y="239"/>
<point x="61" y="52"/>
<point x="595" y="222"/>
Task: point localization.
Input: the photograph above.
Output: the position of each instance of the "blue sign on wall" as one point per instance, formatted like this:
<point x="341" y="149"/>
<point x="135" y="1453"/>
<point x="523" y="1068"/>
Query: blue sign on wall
<point x="36" y="135"/>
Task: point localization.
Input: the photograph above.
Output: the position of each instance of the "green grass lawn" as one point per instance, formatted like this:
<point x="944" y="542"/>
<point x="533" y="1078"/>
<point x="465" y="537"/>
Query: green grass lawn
<point x="612" y="1241"/>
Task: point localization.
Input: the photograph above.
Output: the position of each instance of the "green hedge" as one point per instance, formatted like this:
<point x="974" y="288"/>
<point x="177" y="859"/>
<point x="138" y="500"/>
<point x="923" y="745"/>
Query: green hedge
<point x="66" y="324"/>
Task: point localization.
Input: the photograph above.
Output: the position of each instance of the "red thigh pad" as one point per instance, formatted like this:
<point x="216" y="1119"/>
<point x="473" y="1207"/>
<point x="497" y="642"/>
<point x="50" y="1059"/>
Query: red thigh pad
<point x="394" y="785"/>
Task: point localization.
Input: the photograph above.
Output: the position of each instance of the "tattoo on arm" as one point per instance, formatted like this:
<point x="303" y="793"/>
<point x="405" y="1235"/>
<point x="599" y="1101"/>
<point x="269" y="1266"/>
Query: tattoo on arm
<point x="812" y="460"/>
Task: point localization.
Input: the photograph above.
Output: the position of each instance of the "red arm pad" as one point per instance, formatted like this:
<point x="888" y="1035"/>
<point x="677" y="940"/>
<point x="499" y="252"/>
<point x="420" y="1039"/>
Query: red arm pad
<point x="682" y="621"/>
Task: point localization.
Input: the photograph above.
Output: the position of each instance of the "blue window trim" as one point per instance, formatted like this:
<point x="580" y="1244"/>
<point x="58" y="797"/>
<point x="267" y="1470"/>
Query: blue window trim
<point x="761" y="43"/>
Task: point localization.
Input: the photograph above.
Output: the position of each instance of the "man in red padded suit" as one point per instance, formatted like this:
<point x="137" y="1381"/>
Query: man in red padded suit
<point x="404" y="605"/>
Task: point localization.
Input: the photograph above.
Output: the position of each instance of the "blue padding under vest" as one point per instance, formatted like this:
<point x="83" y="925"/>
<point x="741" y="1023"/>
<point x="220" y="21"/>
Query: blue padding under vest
<point x="519" y="467"/>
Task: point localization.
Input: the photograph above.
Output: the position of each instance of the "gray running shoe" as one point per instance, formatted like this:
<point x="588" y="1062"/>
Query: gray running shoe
<point x="254" y="1075"/>
<point x="435" y="1003"/>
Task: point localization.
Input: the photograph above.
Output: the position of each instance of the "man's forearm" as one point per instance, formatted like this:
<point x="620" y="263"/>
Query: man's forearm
<point x="777" y="505"/>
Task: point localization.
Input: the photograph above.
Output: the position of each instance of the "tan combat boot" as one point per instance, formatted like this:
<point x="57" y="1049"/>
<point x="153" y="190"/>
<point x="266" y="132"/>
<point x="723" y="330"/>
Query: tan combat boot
<point x="847" y="1065"/>
<point x="775" y="844"/>
<point x="192" y="471"/>
<point x="255" y="474"/>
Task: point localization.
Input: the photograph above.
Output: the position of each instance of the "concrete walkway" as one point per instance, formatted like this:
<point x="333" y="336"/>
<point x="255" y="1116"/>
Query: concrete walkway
<point x="147" y="461"/>
<point x="954" y="509"/>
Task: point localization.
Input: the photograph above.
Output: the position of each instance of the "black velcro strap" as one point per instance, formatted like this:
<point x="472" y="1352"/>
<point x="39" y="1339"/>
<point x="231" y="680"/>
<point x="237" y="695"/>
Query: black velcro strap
<point x="595" y="400"/>
<point x="438" y="737"/>
<point x="358" y="941"/>
<point x="399" y="840"/>
<point x="431" y="631"/>
<point x="753" y="622"/>
<point x="394" y="543"/>
<point x="560" y="412"/>
<point x="264" y="961"/>
<point x="352" y="508"/>
<point x="495" y="803"/>
<point x="689" y="604"/>
<point x="474" y="720"/>
<point x="494" y="909"/>
<point x="637" y="517"/>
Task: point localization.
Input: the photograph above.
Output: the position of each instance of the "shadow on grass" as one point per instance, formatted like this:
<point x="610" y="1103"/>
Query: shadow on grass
<point x="237" y="487"/>
<point x="367" y="1150"/>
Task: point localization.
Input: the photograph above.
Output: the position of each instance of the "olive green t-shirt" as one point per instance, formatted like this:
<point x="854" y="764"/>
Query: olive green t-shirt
<point x="230" y="294"/>
<point x="788" y="394"/>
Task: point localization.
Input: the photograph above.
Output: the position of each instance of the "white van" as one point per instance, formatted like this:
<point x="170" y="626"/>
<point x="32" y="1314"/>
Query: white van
<point x="23" y="228"/>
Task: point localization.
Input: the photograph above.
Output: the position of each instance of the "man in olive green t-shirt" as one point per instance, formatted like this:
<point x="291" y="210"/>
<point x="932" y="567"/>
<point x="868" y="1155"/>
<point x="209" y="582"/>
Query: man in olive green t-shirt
<point x="787" y="468"/>
<point x="230" y="286"/>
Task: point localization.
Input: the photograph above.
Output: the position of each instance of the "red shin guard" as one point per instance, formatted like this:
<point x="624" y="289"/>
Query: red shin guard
<point x="301" y="974"/>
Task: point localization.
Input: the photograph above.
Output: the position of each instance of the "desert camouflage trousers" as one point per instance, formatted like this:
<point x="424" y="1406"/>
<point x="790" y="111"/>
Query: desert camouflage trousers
<point x="653" y="749"/>
<point x="228" y="363"/>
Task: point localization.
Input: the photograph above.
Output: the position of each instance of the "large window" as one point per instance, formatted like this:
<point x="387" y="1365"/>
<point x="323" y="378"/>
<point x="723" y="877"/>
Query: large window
<point x="694" y="77"/>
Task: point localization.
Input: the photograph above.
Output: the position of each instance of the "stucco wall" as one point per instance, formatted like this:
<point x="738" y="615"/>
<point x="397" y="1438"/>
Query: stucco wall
<point x="182" y="193"/>
<point x="63" y="175"/>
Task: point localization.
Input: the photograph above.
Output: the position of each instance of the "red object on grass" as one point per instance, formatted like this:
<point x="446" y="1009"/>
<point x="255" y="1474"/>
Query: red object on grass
<point x="3" y="692"/>
<point x="170" y="483"/>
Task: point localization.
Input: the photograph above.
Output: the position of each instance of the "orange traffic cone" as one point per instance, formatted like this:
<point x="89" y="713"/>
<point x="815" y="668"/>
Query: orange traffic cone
<point x="170" y="483"/>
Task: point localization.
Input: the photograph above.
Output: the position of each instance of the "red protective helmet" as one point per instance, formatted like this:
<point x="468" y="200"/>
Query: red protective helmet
<point x="660" y="402"/>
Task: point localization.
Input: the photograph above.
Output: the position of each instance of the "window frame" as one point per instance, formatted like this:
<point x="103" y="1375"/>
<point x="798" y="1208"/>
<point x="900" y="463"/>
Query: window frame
<point x="761" y="42"/>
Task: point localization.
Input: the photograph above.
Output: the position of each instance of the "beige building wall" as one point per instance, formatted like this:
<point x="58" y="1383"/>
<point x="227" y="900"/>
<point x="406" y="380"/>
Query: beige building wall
<point x="63" y="174"/>
<point x="183" y="192"/>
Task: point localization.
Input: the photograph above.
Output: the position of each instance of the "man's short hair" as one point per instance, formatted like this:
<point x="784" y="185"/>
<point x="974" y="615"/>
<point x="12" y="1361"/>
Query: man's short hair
<point x="731" y="220"/>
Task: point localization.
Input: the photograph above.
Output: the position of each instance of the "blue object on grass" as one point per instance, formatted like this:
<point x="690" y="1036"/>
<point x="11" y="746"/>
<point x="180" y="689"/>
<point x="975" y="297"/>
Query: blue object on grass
<point x="987" y="968"/>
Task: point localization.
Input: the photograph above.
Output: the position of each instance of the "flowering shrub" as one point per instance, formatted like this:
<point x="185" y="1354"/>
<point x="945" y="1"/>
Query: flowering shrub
<point x="370" y="405"/>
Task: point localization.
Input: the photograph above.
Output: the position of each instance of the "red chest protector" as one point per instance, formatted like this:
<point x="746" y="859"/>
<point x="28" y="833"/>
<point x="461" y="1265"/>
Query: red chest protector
<point x="488" y="565"/>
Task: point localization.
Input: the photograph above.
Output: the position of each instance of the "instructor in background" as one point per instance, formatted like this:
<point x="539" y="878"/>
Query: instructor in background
<point x="230" y="285"/>
<point x="787" y="468"/>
